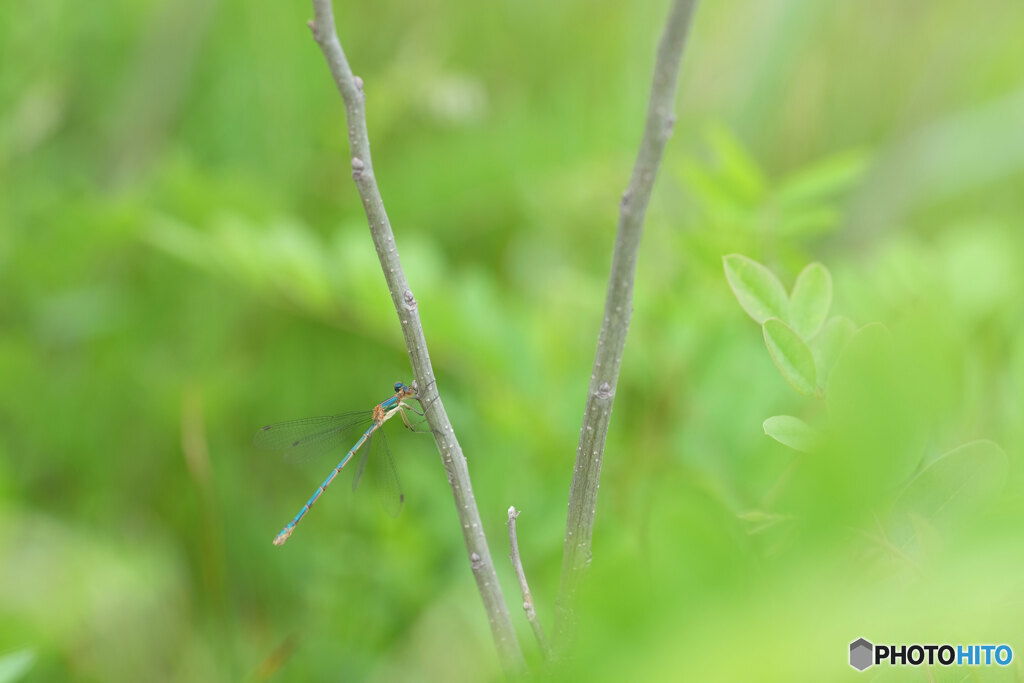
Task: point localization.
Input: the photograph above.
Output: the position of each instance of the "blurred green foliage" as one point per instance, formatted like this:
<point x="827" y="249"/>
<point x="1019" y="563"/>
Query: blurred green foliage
<point x="183" y="258"/>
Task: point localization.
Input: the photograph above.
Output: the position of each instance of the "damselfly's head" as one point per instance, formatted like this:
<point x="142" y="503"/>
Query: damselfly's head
<point x="401" y="388"/>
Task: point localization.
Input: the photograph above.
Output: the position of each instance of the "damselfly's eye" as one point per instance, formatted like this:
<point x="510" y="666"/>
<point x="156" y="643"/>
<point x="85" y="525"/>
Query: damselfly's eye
<point x="399" y="387"/>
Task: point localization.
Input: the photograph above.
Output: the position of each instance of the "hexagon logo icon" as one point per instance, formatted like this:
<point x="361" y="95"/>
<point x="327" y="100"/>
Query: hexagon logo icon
<point x="861" y="652"/>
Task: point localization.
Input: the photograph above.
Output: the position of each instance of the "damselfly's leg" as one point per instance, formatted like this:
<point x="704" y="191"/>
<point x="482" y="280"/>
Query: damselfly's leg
<point x="416" y="427"/>
<point x="419" y="395"/>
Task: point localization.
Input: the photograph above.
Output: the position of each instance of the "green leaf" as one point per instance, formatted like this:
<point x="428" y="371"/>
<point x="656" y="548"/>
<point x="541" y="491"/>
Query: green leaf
<point x="829" y="343"/>
<point x="744" y="177"/>
<point x="791" y="431"/>
<point x="757" y="289"/>
<point x="15" y="665"/>
<point x="710" y="191"/>
<point x="807" y="222"/>
<point x="952" y="488"/>
<point x="791" y="356"/>
<point x="810" y="300"/>
<point x="822" y="179"/>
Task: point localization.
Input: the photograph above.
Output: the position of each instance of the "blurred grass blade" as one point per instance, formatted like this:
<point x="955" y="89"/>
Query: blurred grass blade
<point x="807" y="222"/>
<point x="791" y="431"/>
<point x="810" y="300"/>
<point x="757" y="289"/>
<point x="791" y="356"/>
<point x="821" y="180"/>
<point x="743" y="176"/>
<point x="180" y="241"/>
<point x="977" y="149"/>
<point x="14" y="665"/>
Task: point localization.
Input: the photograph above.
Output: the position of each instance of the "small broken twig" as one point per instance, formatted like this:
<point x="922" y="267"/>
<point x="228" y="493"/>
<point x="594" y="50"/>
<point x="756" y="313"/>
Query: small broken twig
<point x="517" y="566"/>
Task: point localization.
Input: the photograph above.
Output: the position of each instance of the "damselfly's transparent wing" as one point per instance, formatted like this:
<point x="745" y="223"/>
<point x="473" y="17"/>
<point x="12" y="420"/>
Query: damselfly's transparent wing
<point x="309" y="437"/>
<point x="364" y="455"/>
<point x="384" y="475"/>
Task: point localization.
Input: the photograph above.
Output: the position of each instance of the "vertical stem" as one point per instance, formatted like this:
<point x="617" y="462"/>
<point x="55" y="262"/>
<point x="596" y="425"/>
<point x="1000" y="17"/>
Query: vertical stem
<point x="524" y="588"/>
<point x="617" y="310"/>
<point x="351" y="88"/>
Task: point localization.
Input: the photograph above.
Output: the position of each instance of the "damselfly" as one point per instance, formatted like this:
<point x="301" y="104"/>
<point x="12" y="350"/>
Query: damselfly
<point x="305" y="438"/>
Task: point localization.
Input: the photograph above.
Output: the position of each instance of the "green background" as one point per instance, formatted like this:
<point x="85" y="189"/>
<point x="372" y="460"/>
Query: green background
<point x="184" y="258"/>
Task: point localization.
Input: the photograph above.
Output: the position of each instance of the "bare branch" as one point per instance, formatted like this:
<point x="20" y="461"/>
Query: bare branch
<point x="617" y="311"/>
<point x="351" y="88"/>
<point x="517" y="566"/>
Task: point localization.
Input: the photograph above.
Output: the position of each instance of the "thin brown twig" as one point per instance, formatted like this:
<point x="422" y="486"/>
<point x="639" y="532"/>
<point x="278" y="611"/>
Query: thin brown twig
<point x="478" y="554"/>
